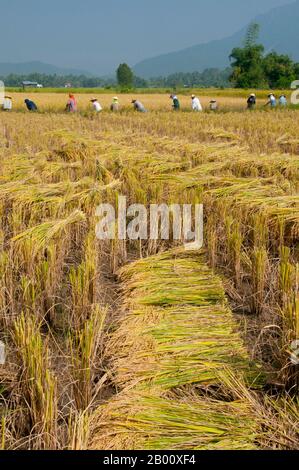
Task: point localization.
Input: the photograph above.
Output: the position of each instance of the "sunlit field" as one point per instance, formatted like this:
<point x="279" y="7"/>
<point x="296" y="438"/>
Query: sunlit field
<point x="56" y="101"/>
<point x="143" y="345"/>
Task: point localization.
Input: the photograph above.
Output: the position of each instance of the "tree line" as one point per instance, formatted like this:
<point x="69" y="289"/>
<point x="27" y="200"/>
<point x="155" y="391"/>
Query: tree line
<point x="209" y="78"/>
<point x="57" y="81"/>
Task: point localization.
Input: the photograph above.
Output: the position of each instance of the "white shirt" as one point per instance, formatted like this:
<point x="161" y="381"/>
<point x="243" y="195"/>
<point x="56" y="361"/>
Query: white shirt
<point x="96" y="106"/>
<point x="7" y="104"/>
<point x="196" y="105"/>
<point x="272" y="100"/>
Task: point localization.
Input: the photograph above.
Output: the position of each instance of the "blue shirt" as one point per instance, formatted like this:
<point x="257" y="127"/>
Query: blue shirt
<point x="283" y="101"/>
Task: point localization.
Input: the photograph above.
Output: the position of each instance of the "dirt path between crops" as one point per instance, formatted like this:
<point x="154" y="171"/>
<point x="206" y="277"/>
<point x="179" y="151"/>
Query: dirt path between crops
<point x="108" y="295"/>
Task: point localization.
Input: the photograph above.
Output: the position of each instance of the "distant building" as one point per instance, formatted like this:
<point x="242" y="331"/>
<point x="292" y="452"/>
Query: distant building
<point x="27" y="83"/>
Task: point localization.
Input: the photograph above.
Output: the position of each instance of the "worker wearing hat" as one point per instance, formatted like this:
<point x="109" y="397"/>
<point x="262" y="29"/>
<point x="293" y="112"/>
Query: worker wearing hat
<point x="272" y="100"/>
<point x="138" y="106"/>
<point x="96" y="105"/>
<point x="115" y="104"/>
<point x="196" y="104"/>
<point x="251" y="102"/>
<point x="213" y="105"/>
<point x="175" y="102"/>
<point x="7" y="103"/>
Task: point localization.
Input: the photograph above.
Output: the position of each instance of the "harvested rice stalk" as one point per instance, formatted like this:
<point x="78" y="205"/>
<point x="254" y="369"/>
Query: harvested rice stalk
<point x="137" y="420"/>
<point x="42" y="234"/>
<point x="176" y="333"/>
<point x="84" y="350"/>
<point x="37" y="381"/>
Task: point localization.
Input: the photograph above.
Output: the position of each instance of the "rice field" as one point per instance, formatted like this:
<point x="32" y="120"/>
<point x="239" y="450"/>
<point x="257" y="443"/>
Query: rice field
<point x="55" y="100"/>
<point x="141" y="344"/>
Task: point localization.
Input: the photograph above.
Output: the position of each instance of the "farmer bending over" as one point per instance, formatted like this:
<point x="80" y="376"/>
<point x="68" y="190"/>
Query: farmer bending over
<point x="31" y="106"/>
<point x="71" y="106"/>
<point x="138" y="106"/>
<point x="175" y="102"/>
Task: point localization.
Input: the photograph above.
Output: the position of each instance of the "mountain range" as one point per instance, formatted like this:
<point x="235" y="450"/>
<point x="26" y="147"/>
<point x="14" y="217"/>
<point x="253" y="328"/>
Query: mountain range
<point x="278" y="31"/>
<point x="26" y="68"/>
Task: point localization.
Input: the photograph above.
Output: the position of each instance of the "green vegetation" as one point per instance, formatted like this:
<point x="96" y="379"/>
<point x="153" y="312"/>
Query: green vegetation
<point x="57" y="81"/>
<point x="208" y="78"/>
<point x="125" y="76"/>
<point x="253" y="69"/>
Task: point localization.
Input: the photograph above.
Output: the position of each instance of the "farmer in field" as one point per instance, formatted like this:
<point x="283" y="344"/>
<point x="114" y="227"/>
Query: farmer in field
<point x="96" y="105"/>
<point x="71" y="106"/>
<point x="31" y="106"/>
<point x="213" y="105"/>
<point x="115" y="104"/>
<point x="251" y="102"/>
<point x="175" y="102"/>
<point x="138" y="106"/>
<point x="7" y="103"/>
<point x="272" y="101"/>
<point x="283" y="100"/>
<point x="196" y="104"/>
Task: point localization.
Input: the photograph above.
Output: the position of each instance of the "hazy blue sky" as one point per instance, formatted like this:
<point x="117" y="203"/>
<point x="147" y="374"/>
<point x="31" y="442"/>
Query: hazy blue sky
<point x="96" y="35"/>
